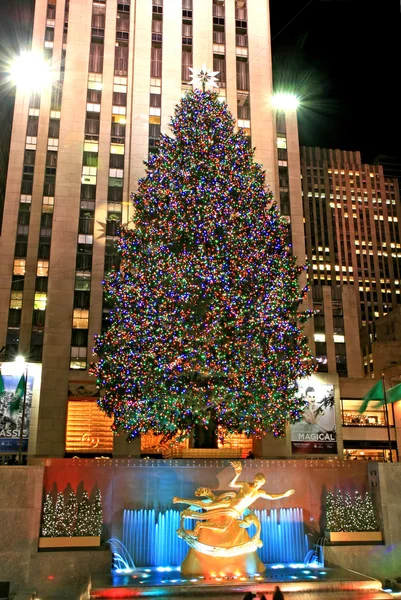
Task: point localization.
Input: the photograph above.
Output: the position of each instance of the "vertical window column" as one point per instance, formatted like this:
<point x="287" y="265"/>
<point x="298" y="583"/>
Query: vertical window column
<point x="156" y="73"/>
<point x="24" y="214"/>
<point x="83" y="272"/>
<point x="187" y="41"/>
<point x="219" y="43"/>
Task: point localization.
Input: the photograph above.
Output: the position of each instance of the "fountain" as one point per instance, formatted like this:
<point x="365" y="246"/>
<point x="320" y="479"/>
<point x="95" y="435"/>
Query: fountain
<point x="282" y="534"/>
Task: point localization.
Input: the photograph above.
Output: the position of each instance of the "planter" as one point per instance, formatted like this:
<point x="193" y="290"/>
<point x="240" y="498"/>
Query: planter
<point x="70" y="542"/>
<point x="354" y="537"/>
<point x="211" y="453"/>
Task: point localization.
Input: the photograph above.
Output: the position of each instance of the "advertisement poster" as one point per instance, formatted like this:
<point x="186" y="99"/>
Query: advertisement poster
<point x="316" y="432"/>
<point x="12" y="392"/>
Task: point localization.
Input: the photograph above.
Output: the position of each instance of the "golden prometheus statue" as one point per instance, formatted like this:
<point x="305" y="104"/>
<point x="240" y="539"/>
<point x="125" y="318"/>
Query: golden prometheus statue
<point x="219" y="543"/>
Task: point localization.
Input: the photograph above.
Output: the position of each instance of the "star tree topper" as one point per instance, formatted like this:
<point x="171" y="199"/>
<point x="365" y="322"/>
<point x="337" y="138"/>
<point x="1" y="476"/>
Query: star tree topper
<point x="205" y="77"/>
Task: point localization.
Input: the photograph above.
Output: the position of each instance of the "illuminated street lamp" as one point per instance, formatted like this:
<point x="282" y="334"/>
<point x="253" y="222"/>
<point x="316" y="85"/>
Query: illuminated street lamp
<point x="30" y="72"/>
<point x="284" y="101"/>
<point x="20" y="361"/>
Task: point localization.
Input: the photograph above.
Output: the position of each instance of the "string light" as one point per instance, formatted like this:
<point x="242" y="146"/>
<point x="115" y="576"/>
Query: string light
<point x="206" y="327"/>
<point x="344" y="513"/>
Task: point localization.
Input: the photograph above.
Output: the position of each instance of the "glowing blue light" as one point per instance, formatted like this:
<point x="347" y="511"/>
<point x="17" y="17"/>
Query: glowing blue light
<point x="278" y="566"/>
<point x="322" y="572"/>
<point x="306" y="572"/>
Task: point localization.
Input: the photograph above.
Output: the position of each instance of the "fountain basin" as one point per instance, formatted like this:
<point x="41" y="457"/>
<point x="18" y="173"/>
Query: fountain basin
<point x="295" y="580"/>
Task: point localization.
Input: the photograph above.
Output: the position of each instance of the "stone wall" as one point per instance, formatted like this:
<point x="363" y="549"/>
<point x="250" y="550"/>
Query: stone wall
<point x="59" y="574"/>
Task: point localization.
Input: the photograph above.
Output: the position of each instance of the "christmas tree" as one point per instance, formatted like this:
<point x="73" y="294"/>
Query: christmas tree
<point x="206" y="329"/>
<point x="359" y="513"/>
<point x="47" y="529"/>
<point x="59" y="516"/>
<point x="96" y="515"/>
<point x="370" y="521"/>
<point x="349" y="524"/>
<point x="71" y="514"/>
<point x="84" y="516"/>
<point x="339" y="510"/>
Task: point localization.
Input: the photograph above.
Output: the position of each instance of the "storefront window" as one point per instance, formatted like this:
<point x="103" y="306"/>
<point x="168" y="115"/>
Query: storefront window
<point x="373" y="417"/>
<point x="373" y="454"/>
<point x="88" y="428"/>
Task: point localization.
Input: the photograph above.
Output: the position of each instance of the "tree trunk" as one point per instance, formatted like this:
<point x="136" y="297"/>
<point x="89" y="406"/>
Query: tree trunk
<point x="205" y="438"/>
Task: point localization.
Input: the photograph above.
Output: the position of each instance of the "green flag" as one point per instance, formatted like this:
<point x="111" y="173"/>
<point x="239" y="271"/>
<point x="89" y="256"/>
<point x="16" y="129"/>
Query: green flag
<point x="392" y="395"/>
<point x="20" y="389"/>
<point x="2" y="388"/>
<point x="376" y="393"/>
<point x="15" y="403"/>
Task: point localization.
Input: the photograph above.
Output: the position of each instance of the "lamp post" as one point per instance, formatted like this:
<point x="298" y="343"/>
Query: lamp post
<point x="20" y="360"/>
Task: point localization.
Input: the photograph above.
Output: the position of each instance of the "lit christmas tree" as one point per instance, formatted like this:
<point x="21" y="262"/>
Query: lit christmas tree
<point x="339" y="511"/>
<point x="349" y="524"/>
<point x="206" y="329"/>
<point x="370" y="521"/>
<point x="84" y="516"/>
<point x="359" y="513"/>
<point x="47" y="529"/>
<point x="59" y="516"/>
<point x="71" y="514"/>
<point x="96" y="515"/>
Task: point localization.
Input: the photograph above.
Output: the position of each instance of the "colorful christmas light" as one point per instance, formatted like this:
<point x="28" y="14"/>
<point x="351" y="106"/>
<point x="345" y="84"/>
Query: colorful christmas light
<point x="206" y="327"/>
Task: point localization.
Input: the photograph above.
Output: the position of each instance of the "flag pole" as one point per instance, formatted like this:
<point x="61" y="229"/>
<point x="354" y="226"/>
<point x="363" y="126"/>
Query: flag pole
<point x="387" y="419"/>
<point x="23" y="418"/>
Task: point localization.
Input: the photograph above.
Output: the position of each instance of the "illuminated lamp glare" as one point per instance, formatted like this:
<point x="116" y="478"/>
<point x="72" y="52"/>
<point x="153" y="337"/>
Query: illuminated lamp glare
<point x="285" y="101"/>
<point x="30" y="72"/>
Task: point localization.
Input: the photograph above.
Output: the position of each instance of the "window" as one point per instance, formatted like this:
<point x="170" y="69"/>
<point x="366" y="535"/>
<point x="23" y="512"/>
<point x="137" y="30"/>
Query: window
<point x="19" y="266"/>
<point x="85" y="239"/>
<point x="372" y="417"/>
<point x="96" y="58"/>
<point x="156" y="62"/>
<point x="16" y="300"/>
<point x="119" y="99"/>
<point x="242" y="75"/>
<point x="42" y="269"/>
<point x="78" y="357"/>
<point x="80" y="319"/>
<point x="83" y="282"/>
<point x="121" y="61"/>
<point x="40" y="301"/>
<point x="79" y="338"/>
<point x="219" y="64"/>
<point x="115" y="194"/>
<point x="116" y="161"/>
<point x="122" y="22"/>
<point x="94" y="96"/>
<point x="186" y="63"/>
<point x="81" y="299"/>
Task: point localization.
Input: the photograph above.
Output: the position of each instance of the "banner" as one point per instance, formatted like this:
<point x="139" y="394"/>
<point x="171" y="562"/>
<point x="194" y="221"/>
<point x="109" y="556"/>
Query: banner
<point x="12" y="391"/>
<point x="316" y="432"/>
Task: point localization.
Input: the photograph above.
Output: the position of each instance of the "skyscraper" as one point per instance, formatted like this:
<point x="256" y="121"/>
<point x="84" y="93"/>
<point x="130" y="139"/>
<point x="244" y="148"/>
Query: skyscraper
<point x="77" y="151"/>
<point x="352" y="215"/>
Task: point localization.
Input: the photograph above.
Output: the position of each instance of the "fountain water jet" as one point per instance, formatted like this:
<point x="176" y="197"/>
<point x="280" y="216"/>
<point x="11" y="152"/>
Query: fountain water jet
<point x="151" y="540"/>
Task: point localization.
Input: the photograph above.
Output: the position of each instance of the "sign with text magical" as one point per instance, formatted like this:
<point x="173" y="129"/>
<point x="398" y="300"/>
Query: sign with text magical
<point x="316" y="432"/>
<point x="12" y="393"/>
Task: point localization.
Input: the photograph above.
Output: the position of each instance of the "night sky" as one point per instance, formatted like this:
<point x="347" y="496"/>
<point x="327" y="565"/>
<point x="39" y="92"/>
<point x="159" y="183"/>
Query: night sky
<point x="341" y="56"/>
